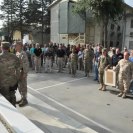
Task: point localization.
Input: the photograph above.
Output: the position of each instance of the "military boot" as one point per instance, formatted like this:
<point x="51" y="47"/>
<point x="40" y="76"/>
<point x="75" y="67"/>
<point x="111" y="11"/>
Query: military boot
<point x="23" y="103"/>
<point x="101" y="86"/>
<point x="120" y="94"/>
<point x="104" y="88"/>
<point x="19" y="101"/>
<point x="124" y="95"/>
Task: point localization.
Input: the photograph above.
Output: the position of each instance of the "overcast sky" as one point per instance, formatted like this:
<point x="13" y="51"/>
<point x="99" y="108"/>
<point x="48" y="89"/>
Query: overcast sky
<point x="129" y="2"/>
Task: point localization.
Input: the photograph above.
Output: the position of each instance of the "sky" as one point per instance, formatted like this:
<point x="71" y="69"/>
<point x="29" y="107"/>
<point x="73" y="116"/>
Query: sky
<point x="129" y="2"/>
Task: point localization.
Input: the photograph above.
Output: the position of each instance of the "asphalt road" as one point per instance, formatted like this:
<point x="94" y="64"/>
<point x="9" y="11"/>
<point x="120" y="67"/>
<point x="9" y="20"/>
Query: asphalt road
<point x="80" y="98"/>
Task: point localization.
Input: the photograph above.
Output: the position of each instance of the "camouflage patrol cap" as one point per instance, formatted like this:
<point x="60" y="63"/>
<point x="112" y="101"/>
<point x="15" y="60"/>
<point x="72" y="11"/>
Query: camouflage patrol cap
<point x="5" y="45"/>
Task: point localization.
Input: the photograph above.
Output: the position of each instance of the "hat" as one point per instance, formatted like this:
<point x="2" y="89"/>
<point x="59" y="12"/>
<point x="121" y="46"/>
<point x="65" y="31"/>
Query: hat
<point x="5" y="45"/>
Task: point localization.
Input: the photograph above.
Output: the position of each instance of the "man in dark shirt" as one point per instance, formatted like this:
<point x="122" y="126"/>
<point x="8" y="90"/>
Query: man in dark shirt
<point x="60" y="58"/>
<point x="119" y="54"/>
<point x="38" y="53"/>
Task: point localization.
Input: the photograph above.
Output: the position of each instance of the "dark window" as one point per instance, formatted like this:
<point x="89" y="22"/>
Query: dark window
<point x="132" y="23"/>
<point x="111" y="43"/>
<point x="131" y="34"/>
<point x="130" y="44"/>
<point x="119" y="35"/>
<point x="112" y="34"/>
<point x="112" y="26"/>
<point x="117" y="44"/>
<point x="118" y="28"/>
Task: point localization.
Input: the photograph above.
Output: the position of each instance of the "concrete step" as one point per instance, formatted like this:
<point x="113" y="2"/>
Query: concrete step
<point x="51" y="120"/>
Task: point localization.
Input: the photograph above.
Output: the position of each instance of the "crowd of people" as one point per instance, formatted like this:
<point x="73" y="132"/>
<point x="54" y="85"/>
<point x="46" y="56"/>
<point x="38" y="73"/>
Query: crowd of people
<point x="15" y="61"/>
<point x="86" y="58"/>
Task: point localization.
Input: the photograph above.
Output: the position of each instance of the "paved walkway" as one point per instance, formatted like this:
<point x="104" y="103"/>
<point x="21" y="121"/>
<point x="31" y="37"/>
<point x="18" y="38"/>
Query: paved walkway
<point x="51" y="120"/>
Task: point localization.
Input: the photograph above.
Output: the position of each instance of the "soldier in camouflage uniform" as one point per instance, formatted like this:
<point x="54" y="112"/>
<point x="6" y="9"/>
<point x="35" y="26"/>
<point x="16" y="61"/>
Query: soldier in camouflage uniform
<point x="24" y="64"/>
<point x="87" y="60"/>
<point x="125" y="69"/>
<point x="73" y="62"/>
<point x="103" y="64"/>
<point x="9" y="73"/>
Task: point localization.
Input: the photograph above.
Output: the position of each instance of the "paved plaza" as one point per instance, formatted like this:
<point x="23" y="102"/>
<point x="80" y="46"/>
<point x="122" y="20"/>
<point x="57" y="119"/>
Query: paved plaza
<point x="59" y="103"/>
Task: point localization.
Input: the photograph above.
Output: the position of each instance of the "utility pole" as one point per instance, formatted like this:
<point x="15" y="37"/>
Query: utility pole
<point x="21" y="23"/>
<point x="8" y="30"/>
<point x="42" y="21"/>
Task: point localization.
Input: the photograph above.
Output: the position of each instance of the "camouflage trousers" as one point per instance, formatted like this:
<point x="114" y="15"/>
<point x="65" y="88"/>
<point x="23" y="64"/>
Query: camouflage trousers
<point x="73" y="68"/>
<point x="87" y="67"/>
<point x="22" y="87"/>
<point x="9" y="94"/>
<point x="101" y="77"/>
<point x="123" y="84"/>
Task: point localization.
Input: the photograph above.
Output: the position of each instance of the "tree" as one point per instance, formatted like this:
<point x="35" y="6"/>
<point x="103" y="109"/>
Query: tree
<point x="38" y="16"/>
<point x="102" y="10"/>
<point x="23" y="14"/>
<point x="13" y="15"/>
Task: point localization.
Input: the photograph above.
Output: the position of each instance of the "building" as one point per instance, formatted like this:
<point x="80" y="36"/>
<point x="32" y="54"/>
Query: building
<point x="128" y="28"/>
<point x="67" y="27"/>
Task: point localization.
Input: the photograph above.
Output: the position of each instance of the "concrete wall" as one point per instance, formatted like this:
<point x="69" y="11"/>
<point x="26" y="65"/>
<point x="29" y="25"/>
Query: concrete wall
<point x="128" y="29"/>
<point x="54" y="35"/>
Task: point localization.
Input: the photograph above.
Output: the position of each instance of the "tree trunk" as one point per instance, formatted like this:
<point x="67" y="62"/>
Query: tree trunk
<point x="21" y="23"/>
<point x="105" y="32"/>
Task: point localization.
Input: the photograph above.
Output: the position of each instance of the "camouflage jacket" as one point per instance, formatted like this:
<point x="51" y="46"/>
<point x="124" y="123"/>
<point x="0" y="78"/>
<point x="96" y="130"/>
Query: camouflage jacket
<point x="88" y="55"/>
<point x="125" y="69"/>
<point x="73" y="58"/>
<point x="103" y="63"/>
<point x="9" y="70"/>
<point x="24" y="63"/>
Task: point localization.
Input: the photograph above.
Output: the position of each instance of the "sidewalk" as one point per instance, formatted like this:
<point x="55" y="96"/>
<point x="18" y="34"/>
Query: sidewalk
<point x="51" y="120"/>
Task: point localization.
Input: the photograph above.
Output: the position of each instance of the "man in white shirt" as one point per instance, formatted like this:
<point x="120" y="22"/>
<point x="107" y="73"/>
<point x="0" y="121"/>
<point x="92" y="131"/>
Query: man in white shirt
<point x="80" y="59"/>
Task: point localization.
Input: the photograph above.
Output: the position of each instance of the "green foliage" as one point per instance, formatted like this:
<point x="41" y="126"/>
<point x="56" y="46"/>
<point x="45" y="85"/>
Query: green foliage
<point x="101" y="9"/>
<point x="21" y="15"/>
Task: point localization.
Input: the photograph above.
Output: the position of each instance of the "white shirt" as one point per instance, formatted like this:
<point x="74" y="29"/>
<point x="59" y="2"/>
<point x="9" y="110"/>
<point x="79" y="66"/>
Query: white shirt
<point x="80" y="54"/>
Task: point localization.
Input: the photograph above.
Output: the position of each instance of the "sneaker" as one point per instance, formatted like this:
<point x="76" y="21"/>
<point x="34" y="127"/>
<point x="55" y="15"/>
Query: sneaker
<point x="23" y="103"/>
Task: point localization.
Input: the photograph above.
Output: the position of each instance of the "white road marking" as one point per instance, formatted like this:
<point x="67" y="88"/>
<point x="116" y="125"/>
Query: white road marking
<point x="60" y="83"/>
<point x="71" y="110"/>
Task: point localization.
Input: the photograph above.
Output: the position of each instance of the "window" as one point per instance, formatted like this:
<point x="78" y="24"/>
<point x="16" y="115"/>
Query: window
<point x="112" y="26"/>
<point x="117" y="44"/>
<point x="112" y="34"/>
<point x="130" y="44"/>
<point x="131" y="34"/>
<point x="119" y="35"/>
<point x="132" y="23"/>
<point x="118" y="28"/>
<point x="111" y="43"/>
